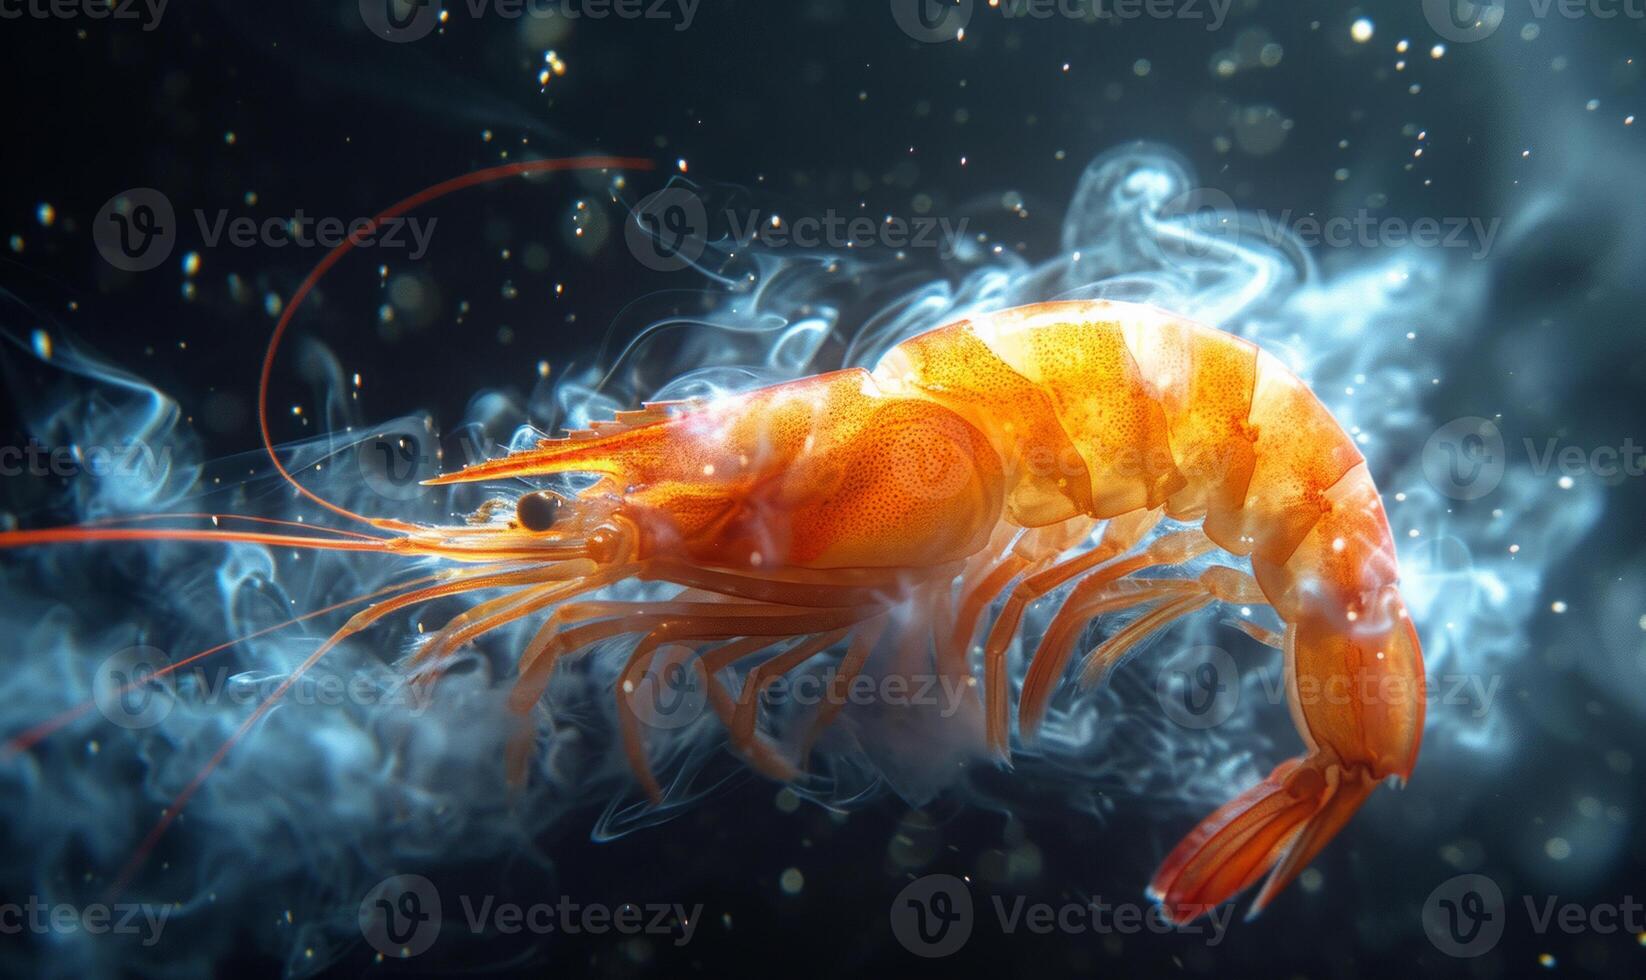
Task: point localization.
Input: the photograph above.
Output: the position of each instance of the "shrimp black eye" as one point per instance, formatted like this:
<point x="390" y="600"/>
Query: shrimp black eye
<point x="537" y="511"/>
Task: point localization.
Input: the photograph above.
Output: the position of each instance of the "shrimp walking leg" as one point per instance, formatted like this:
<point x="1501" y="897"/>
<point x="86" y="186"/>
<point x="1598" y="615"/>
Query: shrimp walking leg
<point x="1037" y="549"/>
<point x="763" y="675"/>
<point x="1099" y="662"/>
<point x="1120" y="535"/>
<point x="1047" y="664"/>
<point x="863" y="641"/>
<point x="1099" y="594"/>
<point x="1052" y="655"/>
<point x="710" y="620"/>
<point x="759" y="751"/>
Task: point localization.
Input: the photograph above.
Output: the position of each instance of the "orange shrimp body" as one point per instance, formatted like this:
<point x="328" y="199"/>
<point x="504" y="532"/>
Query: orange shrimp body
<point x="984" y="451"/>
<point x="977" y="461"/>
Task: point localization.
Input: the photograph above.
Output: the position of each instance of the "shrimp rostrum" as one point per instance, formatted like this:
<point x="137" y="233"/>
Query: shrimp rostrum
<point x="967" y="476"/>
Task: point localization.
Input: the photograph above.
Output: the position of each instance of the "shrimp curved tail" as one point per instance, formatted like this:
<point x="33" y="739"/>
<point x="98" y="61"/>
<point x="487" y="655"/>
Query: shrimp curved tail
<point x="1274" y="828"/>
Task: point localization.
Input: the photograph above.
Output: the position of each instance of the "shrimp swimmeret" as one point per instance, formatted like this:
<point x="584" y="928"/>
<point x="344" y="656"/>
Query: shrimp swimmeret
<point x="963" y="470"/>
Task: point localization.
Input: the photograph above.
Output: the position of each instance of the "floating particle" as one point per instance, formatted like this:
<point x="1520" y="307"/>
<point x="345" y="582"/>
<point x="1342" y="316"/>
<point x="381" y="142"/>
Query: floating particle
<point x="1558" y="848"/>
<point x="45" y="214"/>
<point x="792" y="881"/>
<point x="1141" y="67"/>
<point x="1546" y="960"/>
<point x="1437" y="52"/>
<point x="16" y="244"/>
<point x="1592" y="105"/>
<point x="1565" y="483"/>
<point x="1362" y="30"/>
<point x="1558" y="606"/>
<point x="41" y="341"/>
<point x="191" y="264"/>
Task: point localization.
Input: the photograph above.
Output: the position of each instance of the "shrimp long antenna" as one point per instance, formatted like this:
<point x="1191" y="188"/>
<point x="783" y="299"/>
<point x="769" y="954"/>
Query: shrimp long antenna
<point x="33" y="736"/>
<point x="393" y="211"/>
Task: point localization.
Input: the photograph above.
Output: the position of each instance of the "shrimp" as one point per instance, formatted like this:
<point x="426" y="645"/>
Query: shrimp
<point x="981" y="451"/>
<point x="960" y="476"/>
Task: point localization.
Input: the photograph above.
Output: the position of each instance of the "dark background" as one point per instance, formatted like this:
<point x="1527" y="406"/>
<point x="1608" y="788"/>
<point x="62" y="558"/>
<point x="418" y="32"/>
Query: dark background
<point x="817" y="105"/>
